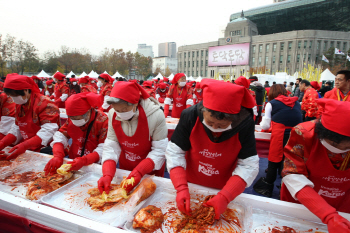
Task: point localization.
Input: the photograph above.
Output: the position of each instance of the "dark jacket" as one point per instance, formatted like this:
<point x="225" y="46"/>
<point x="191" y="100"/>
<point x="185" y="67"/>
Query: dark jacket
<point x="324" y="90"/>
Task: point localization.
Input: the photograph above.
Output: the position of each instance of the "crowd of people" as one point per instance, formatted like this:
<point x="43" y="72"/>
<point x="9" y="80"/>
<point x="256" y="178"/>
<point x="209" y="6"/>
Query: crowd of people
<point x="120" y="122"/>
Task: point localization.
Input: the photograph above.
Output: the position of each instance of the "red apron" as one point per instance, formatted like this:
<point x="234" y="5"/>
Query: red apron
<point x="179" y="102"/>
<point x="135" y="148"/>
<point x="331" y="184"/>
<point x="276" y="142"/>
<point x="78" y="138"/>
<point x="208" y="163"/>
<point x="58" y="94"/>
<point x="25" y="123"/>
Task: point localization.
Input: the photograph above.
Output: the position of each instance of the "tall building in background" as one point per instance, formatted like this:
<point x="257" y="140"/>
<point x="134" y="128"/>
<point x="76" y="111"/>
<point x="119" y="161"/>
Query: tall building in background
<point x="145" y="50"/>
<point x="167" y="49"/>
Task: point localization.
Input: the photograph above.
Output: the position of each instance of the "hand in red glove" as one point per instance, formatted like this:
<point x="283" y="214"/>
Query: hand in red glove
<point x="22" y="147"/>
<point x="166" y="110"/>
<point x="234" y="186"/>
<point x="57" y="161"/>
<point x="183" y="198"/>
<point x="160" y="100"/>
<point x="80" y="162"/>
<point x="144" y="167"/>
<point x="108" y="170"/>
<point x="7" y="140"/>
<point x="318" y="206"/>
<point x="2" y="136"/>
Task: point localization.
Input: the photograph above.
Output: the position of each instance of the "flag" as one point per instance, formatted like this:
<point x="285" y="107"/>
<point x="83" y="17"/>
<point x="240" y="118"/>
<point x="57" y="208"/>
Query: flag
<point x="347" y="57"/>
<point x="337" y="51"/>
<point x="324" y="58"/>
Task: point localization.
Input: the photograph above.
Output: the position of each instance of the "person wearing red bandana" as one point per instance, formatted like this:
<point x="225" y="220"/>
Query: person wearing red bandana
<point x="86" y="126"/>
<point x="105" y="84"/>
<point x="37" y="118"/>
<point x="39" y="83"/>
<point x="49" y="88"/>
<point x="214" y="145"/>
<point x="61" y="91"/>
<point x="243" y="81"/>
<point x="161" y="92"/>
<point x="308" y="105"/>
<point x="180" y="94"/>
<point x="282" y="113"/>
<point x="137" y="135"/>
<point x="147" y="85"/>
<point x="197" y="94"/>
<point x="93" y="83"/>
<point x="316" y="169"/>
<point x="7" y="114"/>
<point x="85" y="86"/>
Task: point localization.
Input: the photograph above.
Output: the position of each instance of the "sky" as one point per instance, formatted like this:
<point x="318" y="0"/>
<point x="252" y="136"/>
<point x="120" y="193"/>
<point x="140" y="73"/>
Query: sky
<point x="95" y="25"/>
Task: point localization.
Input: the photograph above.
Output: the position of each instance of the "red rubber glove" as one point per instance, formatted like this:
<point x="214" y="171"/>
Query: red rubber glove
<point x="160" y="100"/>
<point x="22" y="147"/>
<point x="166" y="110"/>
<point x="58" y="101"/>
<point x="318" y="206"/>
<point x="234" y="186"/>
<point x="2" y="136"/>
<point x="57" y="161"/>
<point x="144" y="167"/>
<point x="183" y="198"/>
<point x="52" y="97"/>
<point x="108" y="170"/>
<point x="7" y="140"/>
<point x="80" y="162"/>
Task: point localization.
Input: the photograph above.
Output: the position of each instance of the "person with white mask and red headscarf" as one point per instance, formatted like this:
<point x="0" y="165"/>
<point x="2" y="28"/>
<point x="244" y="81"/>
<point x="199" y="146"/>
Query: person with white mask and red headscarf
<point x="61" y="91"/>
<point x="316" y="169"/>
<point x="37" y="118"/>
<point x="137" y="135"/>
<point x="105" y="84"/>
<point x="214" y="145"/>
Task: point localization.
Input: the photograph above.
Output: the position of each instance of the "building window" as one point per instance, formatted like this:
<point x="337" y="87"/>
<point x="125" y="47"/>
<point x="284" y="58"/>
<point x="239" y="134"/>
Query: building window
<point x="288" y="58"/>
<point x="298" y="58"/>
<point x="201" y="63"/>
<point x="206" y="53"/>
<point x="266" y="60"/>
<point x="189" y="64"/>
<point x="189" y="54"/>
<point x="192" y="53"/>
<point x="305" y="44"/>
<point x="274" y="47"/>
<point x="310" y="44"/>
<point x="192" y="73"/>
<point x="274" y="59"/>
<point x="267" y="48"/>
<point x="318" y="45"/>
<point x="197" y="53"/>
<point x="206" y="63"/>
<point x="197" y="73"/>
<point x="254" y="47"/>
<point x="309" y="58"/>
<point x="316" y="60"/>
<point x="332" y="44"/>
<point x="185" y="64"/>
<point x="260" y="48"/>
<point x="197" y="63"/>
<point x="259" y="60"/>
<point x="184" y="54"/>
<point x="282" y="46"/>
<point x="192" y="63"/>
<point x="236" y="33"/>
<point x="344" y="46"/>
<point x="201" y="72"/>
<point x="281" y="58"/>
<point x="338" y="45"/>
<point x="304" y="58"/>
<point x="290" y="45"/>
<point x="202" y="53"/>
<point x="299" y="44"/>
<point x="206" y="73"/>
<point x="253" y="61"/>
<point x="325" y="45"/>
<point x="180" y="64"/>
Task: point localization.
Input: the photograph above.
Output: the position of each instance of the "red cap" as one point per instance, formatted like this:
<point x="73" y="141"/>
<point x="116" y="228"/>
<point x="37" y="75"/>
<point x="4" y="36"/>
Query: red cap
<point x="106" y="77"/>
<point x="147" y="84"/>
<point x="242" y="81"/>
<point x="128" y="91"/>
<point x="49" y="82"/>
<point x="332" y="109"/>
<point x="177" y="77"/>
<point x="79" y="104"/>
<point x="20" y="82"/>
<point x="84" y="79"/>
<point x="165" y="79"/>
<point x="59" y="76"/>
<point x="162" y="85"/>
<point x="198" y="85"/>
<point x="35" y="77"/>
<point x="315" y="85"/>
<point x="73" y="79"/>
<point x="232" y="97"/>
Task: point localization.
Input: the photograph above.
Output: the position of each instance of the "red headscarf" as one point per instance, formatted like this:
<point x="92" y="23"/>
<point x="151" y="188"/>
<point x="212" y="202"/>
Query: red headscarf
<point x="315" y="85"/>
<point x="84" y="80"/>
<point x="162" y="85"/>
<point x="49" y="82"/>
<point x="198" y="85"/>
<point x="59" y="76"/>
<point x="177" y="77"/>
<point x="147" y="84"/>
<point x="166" y="79"/>
<point x="73" y="79"/>
<point x="332" y="109"/>
<point x="79" y="104"/>
<point x="133" y="80"/>
<point x="20" y="82"/>
<point x="289" y="101"/>
<point x="242" y="81"/>
<point x="232" y="97"/>
<point x="128" y="91"/>
<point x="35" y="78"/>
<point x="106" y="77"/>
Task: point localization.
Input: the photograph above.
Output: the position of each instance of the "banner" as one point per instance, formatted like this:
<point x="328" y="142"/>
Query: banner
<point x="227" y="55"/>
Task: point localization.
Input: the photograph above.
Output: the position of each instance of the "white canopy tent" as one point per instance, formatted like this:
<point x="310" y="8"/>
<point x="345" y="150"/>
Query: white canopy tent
<point x="82" y="74"/>
<point x="159" y="76"/>
<point x="327" y="76"/>
<point x="43" y="74"/>
<point x="106" y="73"/>
<point x="191" y="79"/>
<point x="117" y="75"/>
<point x="171" y="76"/>
<point x="93" y="74"/>
<point x="220" y="78"/>
<point x="279" y="78"/>
<point x="70" y="74"/>
<point x="199" y="79"/>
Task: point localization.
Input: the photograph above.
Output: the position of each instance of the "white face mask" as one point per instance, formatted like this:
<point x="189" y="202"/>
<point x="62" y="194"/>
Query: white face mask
<point x="99" y="84"/>
<point x="50" y="86"/>
<point x="216" y="130"/>
<point x="126" y="115"/>
<point x="332" y="148"/>
<point x="200" y="90"/>
<point x="19" y="100"/>
<point x="92" y="81"/>
<point x="81" y="86"/>
<point x="182" y="84"/>
<point x="79" y="123"/>
<point x="162" y="90"/>
<point x="74" y="83"/>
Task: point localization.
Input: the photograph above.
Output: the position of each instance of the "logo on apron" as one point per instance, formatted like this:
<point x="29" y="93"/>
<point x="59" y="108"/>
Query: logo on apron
<point x="333" y="179"/>
<point x="330" y="192"/>
<point x="81" y="139"/>
<point x="86" y="152"/>
<point x="209" y="155"/>
<point x="131" y="156"/>
<point x="24" y="135"/>
<point x="178" y="98"/>
<point x="207" y="169"/>
<point x="22" y="124"/>
<point x="130" y="145"/>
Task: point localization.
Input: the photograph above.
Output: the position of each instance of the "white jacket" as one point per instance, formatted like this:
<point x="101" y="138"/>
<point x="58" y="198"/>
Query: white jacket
<point x="157" y="130"/>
